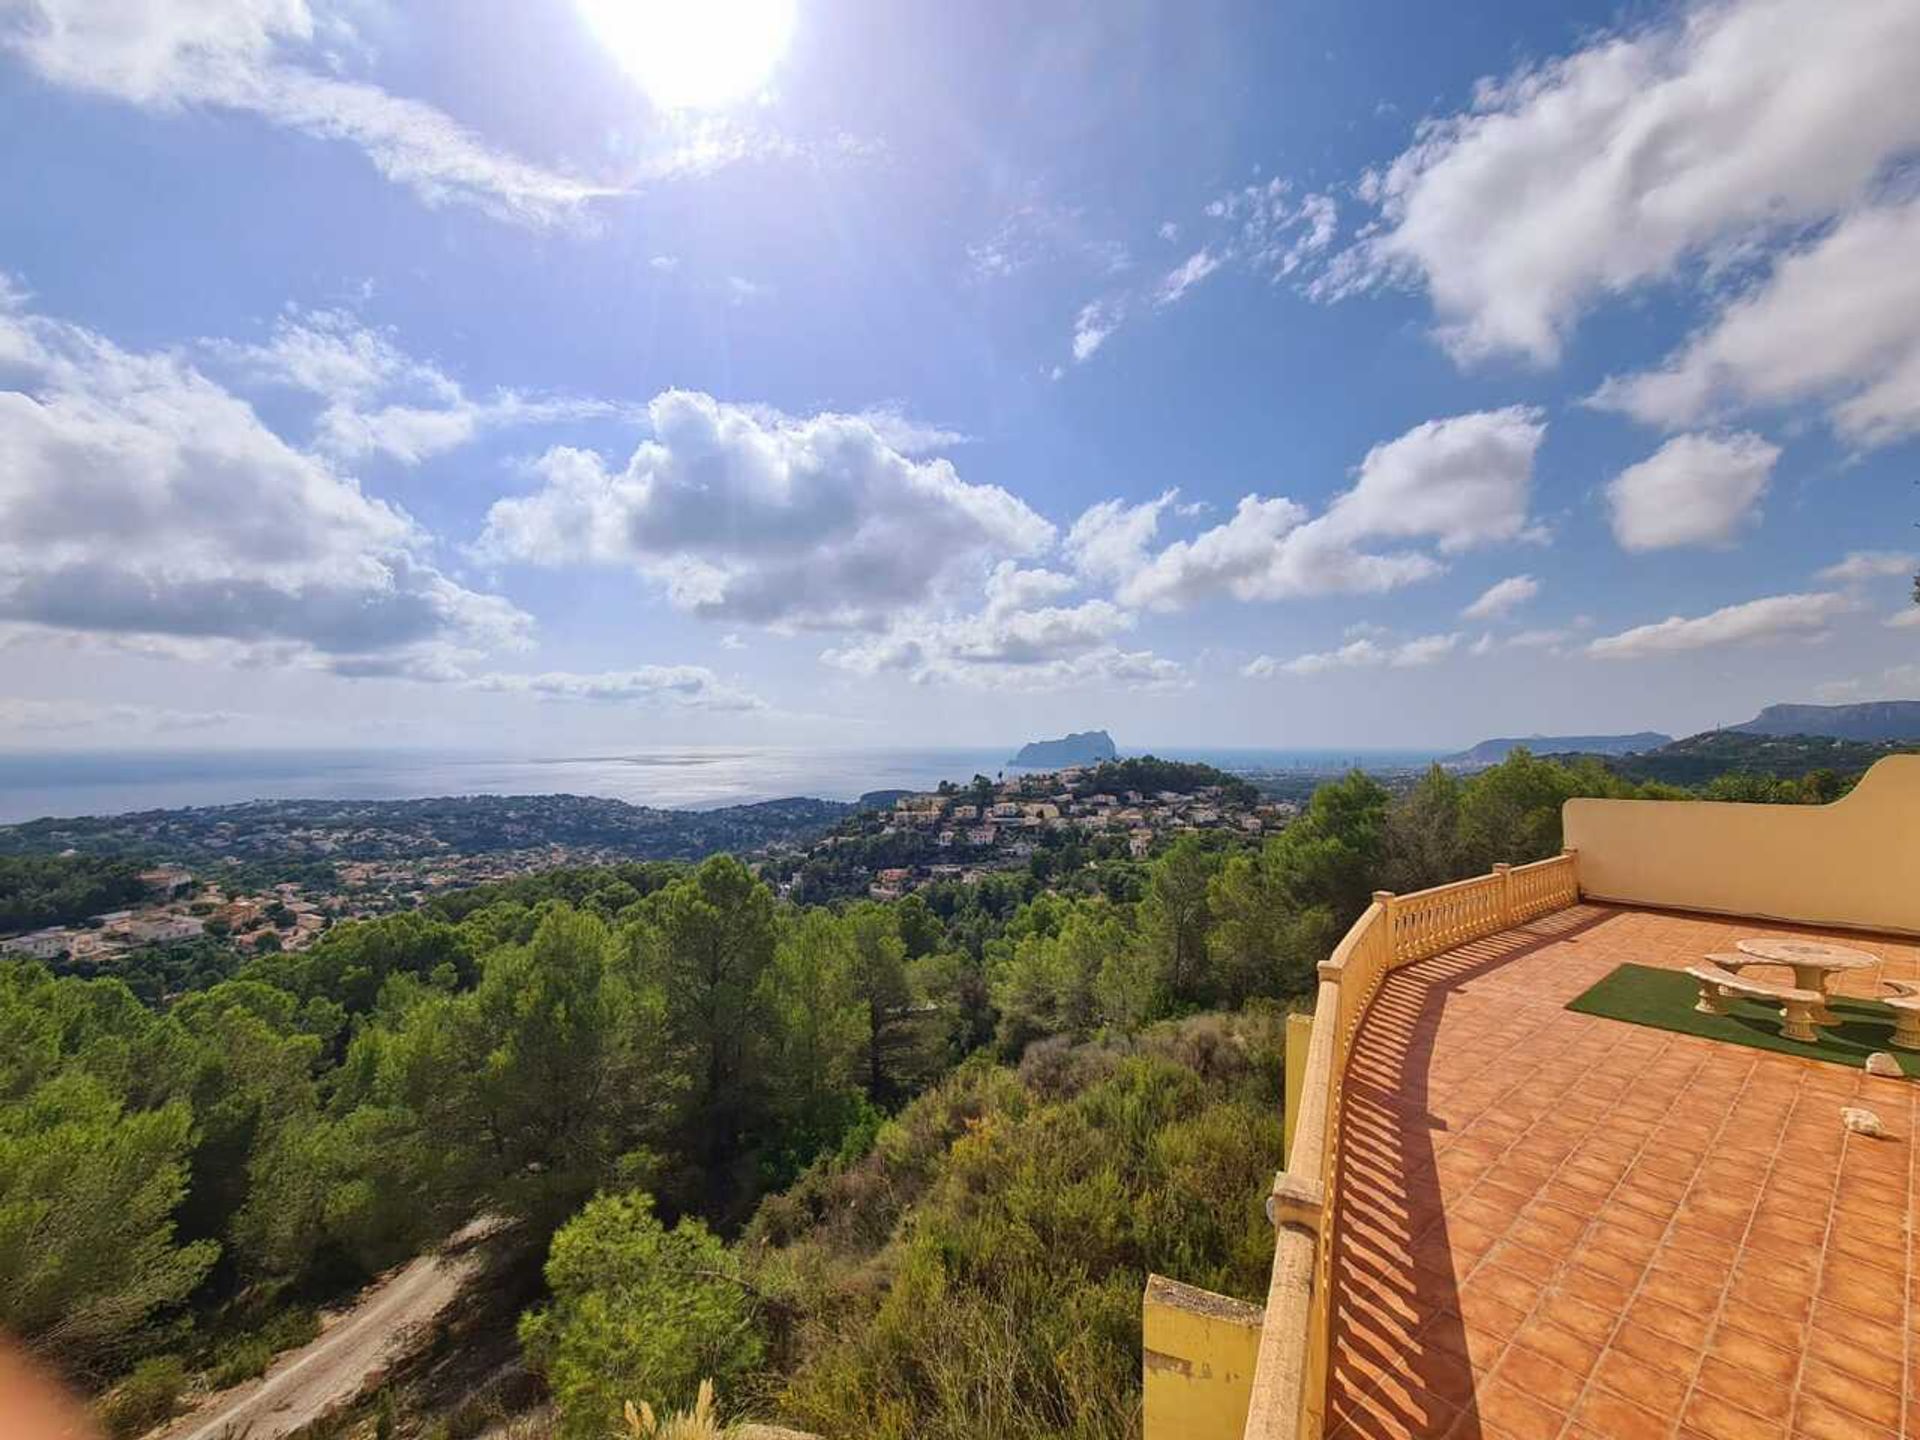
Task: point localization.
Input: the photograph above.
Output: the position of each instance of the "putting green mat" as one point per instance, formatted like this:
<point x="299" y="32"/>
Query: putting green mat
<point x="1664" y="999"/>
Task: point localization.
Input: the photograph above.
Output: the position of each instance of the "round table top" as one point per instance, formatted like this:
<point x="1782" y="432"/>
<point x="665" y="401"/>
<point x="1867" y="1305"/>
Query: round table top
<point x="1816" y="954"/>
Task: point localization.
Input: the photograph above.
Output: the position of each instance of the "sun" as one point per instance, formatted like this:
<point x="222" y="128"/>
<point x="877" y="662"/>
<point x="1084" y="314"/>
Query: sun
<point x="693" y="54"/>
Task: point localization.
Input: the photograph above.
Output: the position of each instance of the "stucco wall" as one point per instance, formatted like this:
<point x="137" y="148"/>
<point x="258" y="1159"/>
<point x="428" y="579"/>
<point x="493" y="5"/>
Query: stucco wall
<point x="1854" y="863"/>
<point x="1199" y="1351"/>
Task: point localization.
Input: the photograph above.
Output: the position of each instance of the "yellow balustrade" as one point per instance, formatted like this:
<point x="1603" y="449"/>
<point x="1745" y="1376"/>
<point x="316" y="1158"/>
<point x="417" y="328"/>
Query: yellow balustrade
<point x="1288" y="1394"/>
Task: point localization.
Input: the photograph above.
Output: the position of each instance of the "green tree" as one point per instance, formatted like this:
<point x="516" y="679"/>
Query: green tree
<point x="1423" y="844"/>
<point x="879" y="976"/>
<point x="639" y="1312"/>
<point x="1174" y="919"/>
<point x="88" y="1253"/>
<point x="818" y="1028"/>
<point x="705" y="942"/>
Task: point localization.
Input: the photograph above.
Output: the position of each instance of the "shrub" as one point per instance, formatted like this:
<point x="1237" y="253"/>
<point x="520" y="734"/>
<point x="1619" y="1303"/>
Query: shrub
<point x="146" y="1398"/>
<point x="639" y="1312"/>
<point x="240" y="1360"/>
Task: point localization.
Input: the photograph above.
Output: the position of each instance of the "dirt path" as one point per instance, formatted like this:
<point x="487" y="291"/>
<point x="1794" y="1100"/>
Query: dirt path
<point x="341" y="1362"/>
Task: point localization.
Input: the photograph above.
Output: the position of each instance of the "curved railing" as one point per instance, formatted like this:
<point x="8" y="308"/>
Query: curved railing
<point x="1290" y="1381"/>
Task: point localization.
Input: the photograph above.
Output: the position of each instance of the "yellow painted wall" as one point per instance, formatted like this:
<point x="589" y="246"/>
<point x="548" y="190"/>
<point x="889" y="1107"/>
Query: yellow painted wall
<point x="1299" y="1037"/>
<point x="1197" y="1367"/>
<point x="1853" y="863"/>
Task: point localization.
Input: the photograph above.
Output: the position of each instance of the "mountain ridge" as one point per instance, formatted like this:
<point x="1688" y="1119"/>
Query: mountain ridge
<point x="1869" y="720"/>
<point x="1492" y="752"/>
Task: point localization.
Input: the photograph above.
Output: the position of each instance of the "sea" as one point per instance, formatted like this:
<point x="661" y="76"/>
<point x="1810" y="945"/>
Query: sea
<point x="75" y="783"/>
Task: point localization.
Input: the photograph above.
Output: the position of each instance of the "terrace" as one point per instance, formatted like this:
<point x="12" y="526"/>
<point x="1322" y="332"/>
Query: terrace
<point x="1504" y="1218"/>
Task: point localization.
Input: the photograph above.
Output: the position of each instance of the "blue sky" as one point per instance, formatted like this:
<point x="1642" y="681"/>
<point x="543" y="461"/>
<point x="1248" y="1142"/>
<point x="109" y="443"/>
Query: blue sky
<point x="517" y="377"/>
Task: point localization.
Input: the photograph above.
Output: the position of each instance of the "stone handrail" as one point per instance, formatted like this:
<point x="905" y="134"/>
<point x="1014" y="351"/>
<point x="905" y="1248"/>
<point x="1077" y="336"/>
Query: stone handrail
<point x="1290" y="1381"/>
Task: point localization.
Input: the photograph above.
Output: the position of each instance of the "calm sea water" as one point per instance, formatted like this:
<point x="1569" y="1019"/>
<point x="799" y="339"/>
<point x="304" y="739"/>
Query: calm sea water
<point x="100" y="783"/>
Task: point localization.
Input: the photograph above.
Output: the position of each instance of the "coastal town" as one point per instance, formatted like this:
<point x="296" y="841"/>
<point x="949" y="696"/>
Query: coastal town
<point x="275" y="876"/>
<point x="1080" y="814"/>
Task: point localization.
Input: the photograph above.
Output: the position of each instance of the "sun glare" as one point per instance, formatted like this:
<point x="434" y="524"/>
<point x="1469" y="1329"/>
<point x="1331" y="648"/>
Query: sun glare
<point x="693" y="54"/>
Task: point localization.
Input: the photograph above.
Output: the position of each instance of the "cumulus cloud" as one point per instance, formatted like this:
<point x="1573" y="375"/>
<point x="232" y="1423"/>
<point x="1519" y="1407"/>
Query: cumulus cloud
<point x="1693" y="490"/>
<point x="748" y="515"/>
<point x="140" y="499"/>
<point x="1502" y="598"/>
<point x="689" y="687"/>
<point x="1836" y="322"/>
<point x="377" y="399"/>
<point x="1455" y="483"/>
<point x="1777" y="617"/>
<point x="1364" y="653"/>
<point x="1859" y="566"/>
<point x="1110" y="540"/>
<point x="1641" y="151"/>
<point x="1021" y="637"/>
<point x="1018" y="637"/>
<point x="259" y="56"/>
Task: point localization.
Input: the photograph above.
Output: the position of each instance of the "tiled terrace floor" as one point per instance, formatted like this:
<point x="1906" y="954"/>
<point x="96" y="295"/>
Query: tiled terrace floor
<point x="1557" y="1225"/>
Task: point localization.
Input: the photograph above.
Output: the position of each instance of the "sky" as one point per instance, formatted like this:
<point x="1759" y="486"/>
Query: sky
<point x="607" y="373"/>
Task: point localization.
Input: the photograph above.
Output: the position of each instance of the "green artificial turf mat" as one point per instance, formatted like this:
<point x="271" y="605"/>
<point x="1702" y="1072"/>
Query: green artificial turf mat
<point x="1664" y="1000"/>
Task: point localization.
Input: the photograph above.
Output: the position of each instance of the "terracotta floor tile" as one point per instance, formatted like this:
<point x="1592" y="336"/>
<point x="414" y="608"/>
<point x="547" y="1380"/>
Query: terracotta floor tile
<point x="1752" y="1355"/>
<point x="1533" y="1374"/>
<point x="1711" y="1416"/>
<point x="1656" y="1232"/>
<point x="1602" y="1412"/>
<point x="1507" y="1410"/>
<point x="1815" y="1419"/>
<point x="1850" y="1393"/>
<point x="1771" y="1399"/>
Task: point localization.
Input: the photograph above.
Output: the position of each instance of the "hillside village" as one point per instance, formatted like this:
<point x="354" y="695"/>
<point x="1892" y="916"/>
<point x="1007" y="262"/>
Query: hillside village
<point x="1080" y="814"/>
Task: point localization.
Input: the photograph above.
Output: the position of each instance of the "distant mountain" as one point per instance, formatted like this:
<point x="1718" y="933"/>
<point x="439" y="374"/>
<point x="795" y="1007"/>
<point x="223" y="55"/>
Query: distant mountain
<point x="1701" y="758"/>
<point x="1087" y="747"/>
<point x="1869" y="720"/>
<point x="1492" y="752"/>
<point x="882" y="799"/>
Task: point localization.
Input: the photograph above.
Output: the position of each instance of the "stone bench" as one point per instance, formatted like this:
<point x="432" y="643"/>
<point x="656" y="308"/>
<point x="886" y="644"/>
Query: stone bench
<point x="1905" y="1004"/>
<point x="1718" y="985"/>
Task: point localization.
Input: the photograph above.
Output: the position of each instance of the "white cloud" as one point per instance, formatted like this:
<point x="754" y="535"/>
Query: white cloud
<point x="1271" y="234"/>
<point x="1777" y="617"/>
<point x="1018" y="639"/>
<point x="665" y="264"/>
<point x="1184" y="276"/>
<point x="1905" y="618"/>
<point x="752" y="516"/>
<point x="62" y="717"/>
<point x="1896" y="682"/>
<point x="1038" y="231"/>
<point x="732" y="641"/>
<point x="1862" y="565"/>
<point x="1837" y="322"/>
<point x="1458" y="483"/>
<point x="690" y="687"/>
<point x="379" y="399"/>
<point x="1097" y="320"/>
<point x="1693" y="490"/>
<point x="255" y="56"/>
<point x="1364" y="653"/>
<point x="1502" y="598"/>
<point x="140" y="499"/>
<point x="1109" y="541"/>
<point x="1593" y="174"/>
